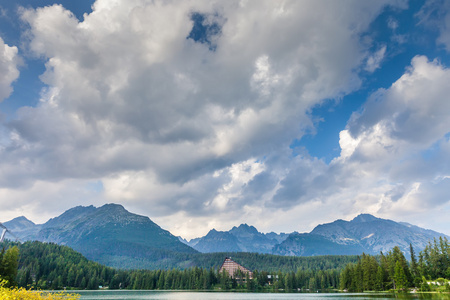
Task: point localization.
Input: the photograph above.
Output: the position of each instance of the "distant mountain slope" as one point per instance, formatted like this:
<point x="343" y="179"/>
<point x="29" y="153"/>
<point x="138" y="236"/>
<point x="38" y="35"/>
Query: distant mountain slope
<point x="115" y="237"/>
<point x="111" y="235"/>
<point x="365" y="233"/>
<point x="244" y="238"/>
<point x="218" y="241"/>
<point x="23" y="228"/>
<point x="279" y="237"/>
<point x="308" y="244"/>
<point x="251" y="240"/>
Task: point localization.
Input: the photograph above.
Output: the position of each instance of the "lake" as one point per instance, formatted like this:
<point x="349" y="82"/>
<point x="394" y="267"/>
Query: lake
<point x="163" y="295"/>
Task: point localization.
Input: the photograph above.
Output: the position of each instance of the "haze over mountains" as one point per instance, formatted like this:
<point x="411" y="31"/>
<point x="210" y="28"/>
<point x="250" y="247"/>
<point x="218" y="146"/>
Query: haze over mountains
<point x="115" y="237"/>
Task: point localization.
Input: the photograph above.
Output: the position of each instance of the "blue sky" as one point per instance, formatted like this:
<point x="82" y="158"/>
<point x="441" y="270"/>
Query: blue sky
<point x="292" y="113"/>
<point x="335" y="116"/>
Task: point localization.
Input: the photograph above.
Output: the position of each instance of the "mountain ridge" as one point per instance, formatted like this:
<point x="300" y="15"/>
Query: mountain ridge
<point x="242" y="238"/>
<point x="108" y="234"/>
<point x="111" y="235"/>
<point x="365" y="233"/>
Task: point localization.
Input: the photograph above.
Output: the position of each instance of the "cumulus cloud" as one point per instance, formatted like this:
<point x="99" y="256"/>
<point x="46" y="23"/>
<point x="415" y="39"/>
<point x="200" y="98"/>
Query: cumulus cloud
<point x="393" y="162"/>
<point x="413" y="110"/>
<point x="9" y="72"/>
<point x="398" y="143"/>
<point x="16" y="202"/>
<point x="176" y="126"/>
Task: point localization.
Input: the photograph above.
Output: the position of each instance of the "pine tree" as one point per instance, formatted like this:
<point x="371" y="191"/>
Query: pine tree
<point x="357" y="283"/>
<point x="400" y="277"/>
<point x="414" y="267"/>
<point x="71" y="277"/>
<point x="379" y="282"/>
<point x="83" y="283"/>
<point x="249" y="282"/>
<point x="346" y="278"/>
<point x="161" y="281"/>
<point x="312" y="284"/>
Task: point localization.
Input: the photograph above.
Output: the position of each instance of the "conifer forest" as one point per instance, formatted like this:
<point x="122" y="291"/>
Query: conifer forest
<point x="39" y="265"/>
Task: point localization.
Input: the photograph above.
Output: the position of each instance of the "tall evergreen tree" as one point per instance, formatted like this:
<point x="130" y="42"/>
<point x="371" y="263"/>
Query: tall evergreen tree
<point x="414" y="267"/>
<point x="399" y="277"/>
<point x="379" y="281"/>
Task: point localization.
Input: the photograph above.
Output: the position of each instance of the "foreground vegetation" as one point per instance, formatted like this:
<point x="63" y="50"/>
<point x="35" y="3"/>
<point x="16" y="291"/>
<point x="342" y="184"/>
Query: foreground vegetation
<point x="8" y="273"/>
<point x="23" y="294"/>
<point x="50" y="266"/>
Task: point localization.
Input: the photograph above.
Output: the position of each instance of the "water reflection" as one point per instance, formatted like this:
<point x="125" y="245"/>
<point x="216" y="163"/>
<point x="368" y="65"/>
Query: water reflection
<point x="162" y="295"/>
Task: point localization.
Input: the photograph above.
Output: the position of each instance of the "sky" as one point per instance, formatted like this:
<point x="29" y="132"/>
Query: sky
<point x="208" y="114"/>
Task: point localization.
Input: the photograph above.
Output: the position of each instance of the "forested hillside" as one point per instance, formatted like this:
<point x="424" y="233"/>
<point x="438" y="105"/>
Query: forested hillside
<point x="52" y="266"/>
<point x="274" y="263"/>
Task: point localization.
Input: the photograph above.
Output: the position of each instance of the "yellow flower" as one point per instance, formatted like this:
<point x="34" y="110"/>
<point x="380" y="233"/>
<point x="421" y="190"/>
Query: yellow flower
<point x="23" y="294"/>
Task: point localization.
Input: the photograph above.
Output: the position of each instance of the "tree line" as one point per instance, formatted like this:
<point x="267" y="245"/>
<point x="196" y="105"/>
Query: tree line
<point x="392" y="271"/>
<point x="168" y="260"/>
<point x="51" y="266"/>
<point x="210" y="279"/>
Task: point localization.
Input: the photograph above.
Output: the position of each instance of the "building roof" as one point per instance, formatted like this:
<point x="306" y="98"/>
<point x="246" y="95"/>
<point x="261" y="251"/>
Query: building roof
<point x="231" y="267"/>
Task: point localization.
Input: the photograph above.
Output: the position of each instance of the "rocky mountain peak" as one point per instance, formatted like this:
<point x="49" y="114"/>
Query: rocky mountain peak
<point x="364" y="218"/>
<point x="22" y="228"/>
<point x="23" y="221"/>
<point x="244" y="229"/>
<point x="70" y="215"/>
<point x="112" y="207"/>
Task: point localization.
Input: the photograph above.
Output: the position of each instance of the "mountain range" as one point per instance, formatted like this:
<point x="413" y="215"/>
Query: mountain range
<point x="244" y="238"/>
<point x="364" y="234"/>
<point x="115" y="237"/>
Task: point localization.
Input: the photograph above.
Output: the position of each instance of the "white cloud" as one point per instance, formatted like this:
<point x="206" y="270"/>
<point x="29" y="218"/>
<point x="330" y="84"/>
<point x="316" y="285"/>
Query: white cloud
<point x="374" y="61"/>
<point x="9" y="72"/>
<point x="393" y="163"/>
<point x="347" y="143"/>
<point x="435" y="14"/>
<point x="401" y="140"/>
<point x="444" y="38"/>
<point x="392" y="24"/>
<point x="413" y="111"/>
<point x="54" y="195"/>
<point x="167" y="125"/>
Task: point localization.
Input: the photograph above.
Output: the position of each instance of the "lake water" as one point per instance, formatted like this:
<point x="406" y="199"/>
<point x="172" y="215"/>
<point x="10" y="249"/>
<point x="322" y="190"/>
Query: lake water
<point x="162" y="295"/>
